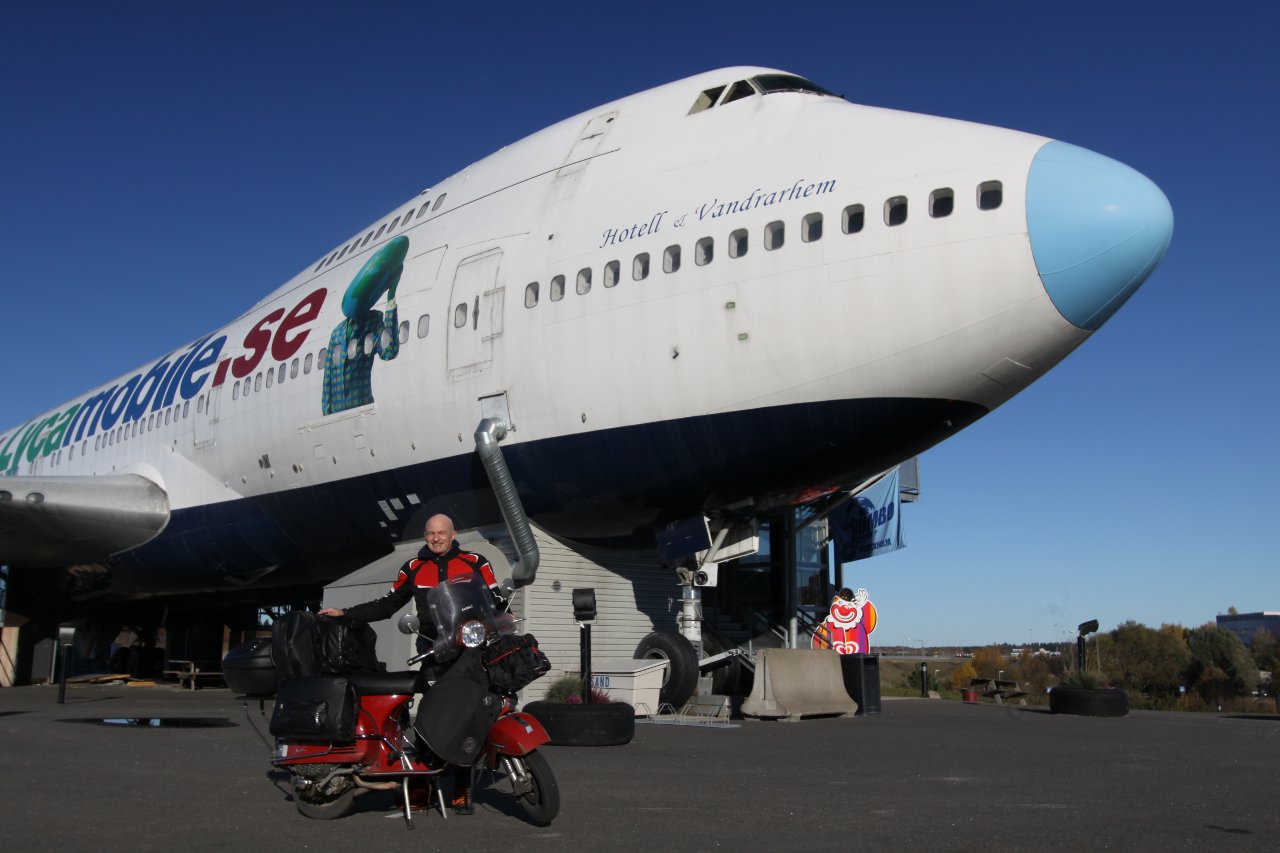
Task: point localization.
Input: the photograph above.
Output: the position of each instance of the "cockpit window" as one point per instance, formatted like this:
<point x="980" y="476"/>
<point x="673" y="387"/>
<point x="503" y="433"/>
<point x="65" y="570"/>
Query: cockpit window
<point x="765" y="84"/>
<point x="770" y="83"/>
<point x="739" y="90"/>
<point x="706" y="100"/>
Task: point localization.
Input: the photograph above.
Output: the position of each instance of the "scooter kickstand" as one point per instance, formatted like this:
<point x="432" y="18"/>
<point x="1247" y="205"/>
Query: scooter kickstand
<point x="404" y="789"/>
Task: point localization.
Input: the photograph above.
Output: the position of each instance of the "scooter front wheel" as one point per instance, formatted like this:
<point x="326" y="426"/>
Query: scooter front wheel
<point x="539" y="796"/>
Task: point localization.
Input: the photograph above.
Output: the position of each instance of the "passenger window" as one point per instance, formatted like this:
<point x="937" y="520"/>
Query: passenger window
<point x="475" y="315"/>
<point x="640" y="266"/>
<point x="426" y="204"/>
<point x="368" y="344"/>
<point x="293" y="369"/>
<point x="895" y="210"/>
<point x="257" y="386"/>
<point x="706" y="100"/>
<point x="811" y="228"/>
<point x="306" y="365"/>
<point x="584" y="281"/>
<point x="775" y="234"/>
<point x="393" y="224"/>
<point x="557" y="288"/>
<point x="612" y="272"/>
<point x="380" y="230"/>
<point x="384" y="340"/>
<point x="200" y="402"/>
<point x="851" y="219"/>
<point x="280" y="372"/>
<point x="367" y="238"/>
<point x="353" y="348"/>
<point x="738" y="243"/>
<point x="424" y="325"/>
<point x="941" y="202"/>
<point x="271" y="377"/>
<point x="990" y="195"/>
<point x="531" y="294"/>
<point x="704" y="251"/>
<point x="439" y="201"/>
<point x="322" y="359"/>
<point x="739" y="90"/>
<point x="460" y="315"/>
<point x="403" y="331"/>
<point x="671" y="259"/>
<point x="186" y="408"/>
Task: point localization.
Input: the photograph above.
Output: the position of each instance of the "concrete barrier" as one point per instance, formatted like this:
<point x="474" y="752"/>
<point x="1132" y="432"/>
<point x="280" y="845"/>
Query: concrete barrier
<point x="794" y="683"/>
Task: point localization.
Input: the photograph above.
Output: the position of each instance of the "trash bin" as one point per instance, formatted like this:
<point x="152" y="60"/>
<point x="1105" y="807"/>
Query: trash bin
<point x="636" y="682"/>
<point x="862" y="681"/>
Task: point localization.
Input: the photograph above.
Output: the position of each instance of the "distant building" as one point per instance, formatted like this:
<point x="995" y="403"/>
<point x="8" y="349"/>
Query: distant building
<point x="1245" y="625"/>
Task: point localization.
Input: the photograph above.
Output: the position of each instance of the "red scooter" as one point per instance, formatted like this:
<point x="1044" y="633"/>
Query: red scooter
<point x="340" y="738"/>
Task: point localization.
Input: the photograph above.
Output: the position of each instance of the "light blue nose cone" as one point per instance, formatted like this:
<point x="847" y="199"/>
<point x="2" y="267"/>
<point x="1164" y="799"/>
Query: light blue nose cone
<point x="1097" y="230"/>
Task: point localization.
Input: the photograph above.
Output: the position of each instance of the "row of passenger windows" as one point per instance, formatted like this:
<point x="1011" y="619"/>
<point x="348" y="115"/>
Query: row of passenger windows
<point x="852" y="220"/>
<point x="386" y="228"/>
<point x="243" y="388"/>
<point x="990" y="195"/>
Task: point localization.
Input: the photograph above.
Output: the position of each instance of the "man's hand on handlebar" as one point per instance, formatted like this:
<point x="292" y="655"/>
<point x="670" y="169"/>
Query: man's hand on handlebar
<point x="331" y="611"/>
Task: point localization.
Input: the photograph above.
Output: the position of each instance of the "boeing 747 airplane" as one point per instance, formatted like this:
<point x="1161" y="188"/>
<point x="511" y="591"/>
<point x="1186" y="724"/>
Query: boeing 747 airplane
<point x="703" y="299"/>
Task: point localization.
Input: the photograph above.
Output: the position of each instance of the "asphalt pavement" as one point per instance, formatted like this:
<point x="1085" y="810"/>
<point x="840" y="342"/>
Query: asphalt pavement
<point x="922" y="775"/>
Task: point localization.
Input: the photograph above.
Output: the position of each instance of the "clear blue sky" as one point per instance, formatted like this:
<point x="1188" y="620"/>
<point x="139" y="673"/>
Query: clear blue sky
<point x="164" y="165"/>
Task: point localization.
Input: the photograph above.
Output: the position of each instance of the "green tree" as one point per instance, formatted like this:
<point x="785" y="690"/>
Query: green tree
<point x="1220" y="664"/>
<point x="1145" y="660"/>
<point x="1265" y="649"/>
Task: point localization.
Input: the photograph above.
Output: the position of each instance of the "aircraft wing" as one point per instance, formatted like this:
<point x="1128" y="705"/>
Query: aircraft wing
<point x="50" y="522"/>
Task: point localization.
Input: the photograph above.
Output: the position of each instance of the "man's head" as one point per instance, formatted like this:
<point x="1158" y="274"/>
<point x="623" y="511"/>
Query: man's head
<point x="439" y="534"/>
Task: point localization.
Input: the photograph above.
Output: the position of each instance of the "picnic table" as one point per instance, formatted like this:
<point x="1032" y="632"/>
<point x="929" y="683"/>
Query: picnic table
<point x="999" y="689"/>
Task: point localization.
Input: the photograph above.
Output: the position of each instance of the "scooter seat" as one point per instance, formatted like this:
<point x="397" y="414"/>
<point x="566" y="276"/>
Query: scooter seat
<point x="384" y="683"/>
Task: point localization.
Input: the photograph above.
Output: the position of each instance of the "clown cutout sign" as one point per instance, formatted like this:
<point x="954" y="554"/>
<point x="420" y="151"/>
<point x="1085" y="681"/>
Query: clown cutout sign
<point x="847" y="626"/>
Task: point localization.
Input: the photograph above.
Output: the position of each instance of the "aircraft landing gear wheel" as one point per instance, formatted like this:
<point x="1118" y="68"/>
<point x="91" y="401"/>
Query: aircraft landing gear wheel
<point x="681" y="677"/>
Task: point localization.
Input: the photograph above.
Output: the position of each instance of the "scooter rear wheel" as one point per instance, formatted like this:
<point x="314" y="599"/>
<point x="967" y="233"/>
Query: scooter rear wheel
<point x="330" y="809"/>
<point x="541" y="803"/>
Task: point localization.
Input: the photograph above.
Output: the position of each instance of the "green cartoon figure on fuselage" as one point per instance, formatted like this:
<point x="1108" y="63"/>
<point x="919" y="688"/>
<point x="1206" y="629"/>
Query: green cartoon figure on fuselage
<point x="365" y="332"/>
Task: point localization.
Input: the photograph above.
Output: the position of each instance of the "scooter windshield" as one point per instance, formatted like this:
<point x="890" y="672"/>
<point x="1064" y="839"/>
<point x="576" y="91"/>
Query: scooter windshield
<point x="453" y="604"/>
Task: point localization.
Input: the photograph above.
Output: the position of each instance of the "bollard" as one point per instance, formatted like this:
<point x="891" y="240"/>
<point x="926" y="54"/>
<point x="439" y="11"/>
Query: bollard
<point x="924" y="680"/>
<point x="62" y="682"/>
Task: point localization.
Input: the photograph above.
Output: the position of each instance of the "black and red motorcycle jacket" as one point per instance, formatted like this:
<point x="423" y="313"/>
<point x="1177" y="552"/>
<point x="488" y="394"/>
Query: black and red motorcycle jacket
<point x="417" y="577"/>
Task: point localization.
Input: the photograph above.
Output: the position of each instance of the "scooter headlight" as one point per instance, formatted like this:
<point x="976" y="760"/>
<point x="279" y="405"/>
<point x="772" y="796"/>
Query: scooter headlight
<point x="472" y="634"/>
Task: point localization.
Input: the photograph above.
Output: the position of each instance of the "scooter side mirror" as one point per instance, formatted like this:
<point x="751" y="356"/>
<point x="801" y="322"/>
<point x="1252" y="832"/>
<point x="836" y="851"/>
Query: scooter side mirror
<point x="507" y="587"/>
<point x="409" y="624"/>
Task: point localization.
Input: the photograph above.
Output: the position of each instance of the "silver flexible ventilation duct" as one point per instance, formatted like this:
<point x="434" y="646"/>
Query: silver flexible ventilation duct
<point x="488" y="434"/>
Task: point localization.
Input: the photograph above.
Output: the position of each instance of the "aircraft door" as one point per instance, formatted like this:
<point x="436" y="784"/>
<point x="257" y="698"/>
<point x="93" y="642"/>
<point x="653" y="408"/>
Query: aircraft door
<point x="475" y="313"/>
<point x="205" y="422"/>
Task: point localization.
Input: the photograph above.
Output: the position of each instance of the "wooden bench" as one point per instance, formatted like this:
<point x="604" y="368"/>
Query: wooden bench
<point x="188" y="672"/>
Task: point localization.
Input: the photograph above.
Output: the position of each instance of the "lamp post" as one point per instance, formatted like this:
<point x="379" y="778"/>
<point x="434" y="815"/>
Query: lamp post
<point x="584" y="610"/>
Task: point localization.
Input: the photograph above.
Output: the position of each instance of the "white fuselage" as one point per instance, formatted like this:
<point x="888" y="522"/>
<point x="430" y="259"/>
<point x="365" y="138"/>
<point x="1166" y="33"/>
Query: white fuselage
<point x="773" y="305"/>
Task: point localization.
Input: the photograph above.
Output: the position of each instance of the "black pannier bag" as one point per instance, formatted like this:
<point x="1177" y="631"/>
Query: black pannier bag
<point x="346" y="646"/>
<point x="514" y="660"/>
<point x="293" y="645"/>
<point x="316" y="708"/>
